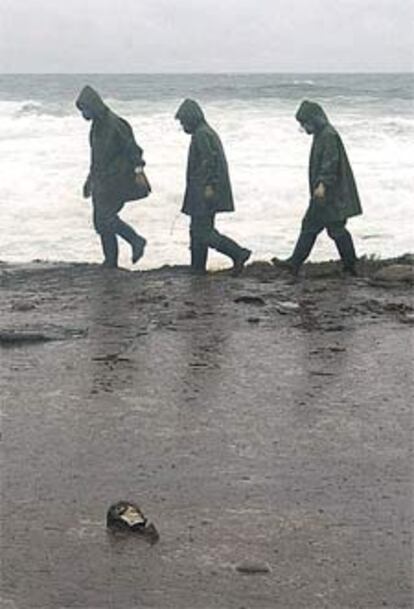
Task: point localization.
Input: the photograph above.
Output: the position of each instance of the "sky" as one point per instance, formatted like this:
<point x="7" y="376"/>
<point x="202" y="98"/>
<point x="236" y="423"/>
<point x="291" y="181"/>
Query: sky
<point x="132" y="36"/>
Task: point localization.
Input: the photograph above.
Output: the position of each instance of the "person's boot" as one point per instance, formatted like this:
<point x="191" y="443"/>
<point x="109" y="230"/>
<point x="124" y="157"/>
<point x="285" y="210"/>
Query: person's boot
<point x="346" y="249"/>
<point x="138" y="250"/>
<point x="240" y="261"/>
<point x="239" y="255"/>
<point x="287" y="265"/>
<point x="301" y="252"/>
<point x="199" y="259"/>
<point x="110" y="250"/>
<point x="137" y="242"/>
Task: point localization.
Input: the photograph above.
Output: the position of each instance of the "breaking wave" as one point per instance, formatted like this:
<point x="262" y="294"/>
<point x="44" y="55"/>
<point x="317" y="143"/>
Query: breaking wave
<point x="43" y="138"/>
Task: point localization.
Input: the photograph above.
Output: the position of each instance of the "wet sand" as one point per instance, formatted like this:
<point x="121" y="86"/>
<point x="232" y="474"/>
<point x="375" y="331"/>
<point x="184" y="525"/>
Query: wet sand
<point x="256" y="434"/>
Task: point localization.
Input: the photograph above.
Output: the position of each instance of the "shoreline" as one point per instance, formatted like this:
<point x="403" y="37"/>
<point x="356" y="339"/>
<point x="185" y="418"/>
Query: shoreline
<point x="366" y="262"/>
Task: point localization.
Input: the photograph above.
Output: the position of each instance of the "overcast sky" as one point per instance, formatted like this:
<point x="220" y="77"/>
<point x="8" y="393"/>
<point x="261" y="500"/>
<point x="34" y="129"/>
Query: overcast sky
<point x="206" y="35"/>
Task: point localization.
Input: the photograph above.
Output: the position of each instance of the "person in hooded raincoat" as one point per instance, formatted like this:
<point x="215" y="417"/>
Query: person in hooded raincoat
<point x="333" y="193"/>
<point x="115" y="175"/>
<point x="208" y="190"/>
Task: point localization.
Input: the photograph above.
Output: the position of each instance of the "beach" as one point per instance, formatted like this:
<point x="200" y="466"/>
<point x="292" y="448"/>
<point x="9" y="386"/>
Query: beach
<point x="263" y="424"/>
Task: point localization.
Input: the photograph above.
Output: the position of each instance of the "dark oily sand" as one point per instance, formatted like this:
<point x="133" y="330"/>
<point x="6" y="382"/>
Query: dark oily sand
<point x="283" y="446"/>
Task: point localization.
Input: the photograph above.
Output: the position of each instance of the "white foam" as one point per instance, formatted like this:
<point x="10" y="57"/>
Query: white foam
<point x="45" y="160"/>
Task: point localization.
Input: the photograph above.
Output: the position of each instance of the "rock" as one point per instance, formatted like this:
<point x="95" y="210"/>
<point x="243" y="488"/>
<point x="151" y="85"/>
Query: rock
<point x="15" y="337"/>
<point x="111" y="358"/>
<point x="23" y="306"/>
<point x="127" y="516"/>
<point x="398" y="307"/>
<point x="334" y="328"/>
<point x="253" y="568"/>
<point x="253" y="300"/>
<point x="287" y="307"/>
<point x="321" y="373"/>
<point x="27" y="335"/>
<point x="395" y="273"/>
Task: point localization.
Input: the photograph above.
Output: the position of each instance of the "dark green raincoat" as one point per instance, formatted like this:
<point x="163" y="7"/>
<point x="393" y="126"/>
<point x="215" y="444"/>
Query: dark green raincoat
<point x="207" y="166"/>
<point x="114" y="155"/>
<point x="329" y="164"/>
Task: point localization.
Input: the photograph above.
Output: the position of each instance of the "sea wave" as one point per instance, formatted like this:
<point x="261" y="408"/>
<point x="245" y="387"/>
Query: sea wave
<point x="31" y="107"/>
<point x="43" y="138"/>
<point x="57" y="110"/>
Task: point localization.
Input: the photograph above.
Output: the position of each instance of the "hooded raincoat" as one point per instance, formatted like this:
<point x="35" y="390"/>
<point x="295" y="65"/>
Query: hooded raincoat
<point x="329" y="164"/>
<point x="206" y="166"/>
<point x="114" y="155"/>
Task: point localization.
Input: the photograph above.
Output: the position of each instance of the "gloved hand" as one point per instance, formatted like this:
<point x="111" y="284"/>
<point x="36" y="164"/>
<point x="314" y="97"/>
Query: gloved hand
<point x="209" y="192"/>
<point x="140" y="179"/>
<point x="320" y="192"/>
<point x="87" y="188"/>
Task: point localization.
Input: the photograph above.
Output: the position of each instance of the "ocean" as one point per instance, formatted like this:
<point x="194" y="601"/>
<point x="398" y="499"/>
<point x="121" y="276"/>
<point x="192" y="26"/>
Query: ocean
<point x="44" y="158"/>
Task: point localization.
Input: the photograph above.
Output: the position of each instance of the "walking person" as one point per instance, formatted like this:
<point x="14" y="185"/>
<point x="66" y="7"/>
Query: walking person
<point x="333" y="192"/>
<point x="115" y="176"/>
<point x="208" y="191"/>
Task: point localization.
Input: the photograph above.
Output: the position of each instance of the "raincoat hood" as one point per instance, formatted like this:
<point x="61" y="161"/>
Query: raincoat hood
<point x="311" y="112"/>
<point x="90" y="99"/>
<point x="190" y="114"/>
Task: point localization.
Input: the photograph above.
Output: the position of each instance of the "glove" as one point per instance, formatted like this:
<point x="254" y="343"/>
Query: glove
<point x="319" y="192"/>
<point x="87" y="188"/>
<point x="209" y="192"/>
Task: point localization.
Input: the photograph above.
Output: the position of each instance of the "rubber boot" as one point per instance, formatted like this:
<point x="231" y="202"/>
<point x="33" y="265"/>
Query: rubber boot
<point x="199" y="253"/>
<point x="137" y="242"/>
<point x="110" y="250"/>
<point x="346" y="249"/>
<point x="301" y="252"/>
<point x="230" y="248"/>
